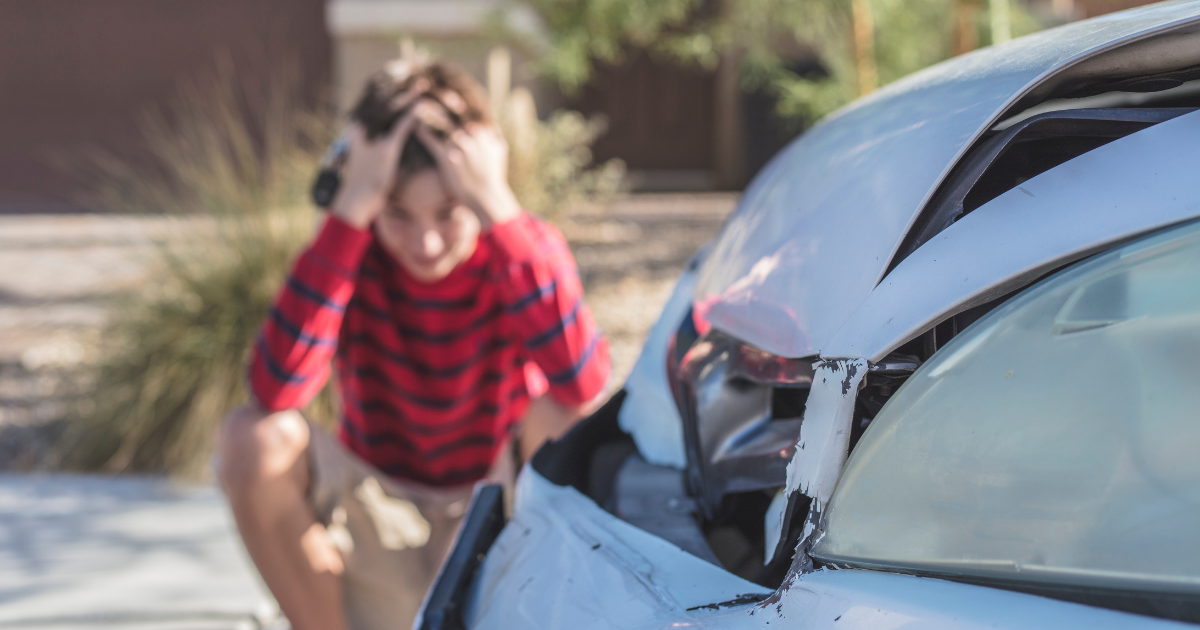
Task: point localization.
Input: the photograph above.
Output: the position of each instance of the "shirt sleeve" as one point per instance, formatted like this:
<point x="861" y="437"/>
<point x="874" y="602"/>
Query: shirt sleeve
<point x="290" y="359"/>
<point x="544" y="296"/>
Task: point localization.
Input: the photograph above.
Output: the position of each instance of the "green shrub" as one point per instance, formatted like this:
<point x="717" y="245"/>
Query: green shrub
<point x="231" y="169"/>
<point x="550" y="162"/>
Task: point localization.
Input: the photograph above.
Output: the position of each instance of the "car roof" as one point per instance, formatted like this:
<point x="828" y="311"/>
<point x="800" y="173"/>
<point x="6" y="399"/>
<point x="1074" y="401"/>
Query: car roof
<point x="817" y="230"/>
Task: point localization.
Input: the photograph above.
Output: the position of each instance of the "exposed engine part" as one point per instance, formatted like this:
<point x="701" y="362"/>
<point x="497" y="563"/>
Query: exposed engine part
<point x="653" y="498"/>
<point x="742" y="409"/>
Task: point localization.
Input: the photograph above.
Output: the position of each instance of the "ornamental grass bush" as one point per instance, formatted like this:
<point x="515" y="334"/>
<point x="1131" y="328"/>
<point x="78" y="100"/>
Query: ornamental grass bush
<point x="550" y="162"/>
<point x="230" y="169"/>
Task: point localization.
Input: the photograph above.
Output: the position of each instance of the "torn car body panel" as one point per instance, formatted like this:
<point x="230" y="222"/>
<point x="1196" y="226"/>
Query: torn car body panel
<point x="825" y="436"/>
<point x="796" y="259"/>
<point x="562" y="562"/>
<point x="559" y="550"/>
<point x="1132" y="186"/>
<point x="824" y="440"/>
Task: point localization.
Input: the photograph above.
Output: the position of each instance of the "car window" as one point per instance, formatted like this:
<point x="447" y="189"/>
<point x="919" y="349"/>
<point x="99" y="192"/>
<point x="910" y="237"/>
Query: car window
<point x="1056" y="440"/>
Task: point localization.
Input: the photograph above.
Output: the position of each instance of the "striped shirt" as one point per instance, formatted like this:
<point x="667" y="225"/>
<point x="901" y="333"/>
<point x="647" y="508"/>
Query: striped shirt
<point x="433" y="377"/>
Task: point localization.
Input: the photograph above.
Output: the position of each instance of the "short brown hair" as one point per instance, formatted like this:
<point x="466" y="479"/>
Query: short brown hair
<point x="377" y="113"/>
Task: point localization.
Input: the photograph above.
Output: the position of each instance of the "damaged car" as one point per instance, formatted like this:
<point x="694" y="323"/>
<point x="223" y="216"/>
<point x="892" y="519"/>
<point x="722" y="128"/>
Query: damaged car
<point x="938" y="370"/>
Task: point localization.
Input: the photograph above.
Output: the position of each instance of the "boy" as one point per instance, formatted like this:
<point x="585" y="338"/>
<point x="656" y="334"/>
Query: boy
<point x="453" y="318"/>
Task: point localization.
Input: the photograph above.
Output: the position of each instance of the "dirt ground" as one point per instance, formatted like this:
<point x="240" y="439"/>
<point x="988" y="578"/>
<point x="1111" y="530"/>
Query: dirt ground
<point x="630" y="255"/>
<point x="62" y="272"/>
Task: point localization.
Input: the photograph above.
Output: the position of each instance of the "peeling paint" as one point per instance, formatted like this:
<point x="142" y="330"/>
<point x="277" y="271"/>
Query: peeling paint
<point x="851" y="371"/>
<point x="740" y="600"/>
<point x="802" y="562"/>
<point x="776" y="598"/>
<point x="825" y="434"/>
<point x="822" y="447"/>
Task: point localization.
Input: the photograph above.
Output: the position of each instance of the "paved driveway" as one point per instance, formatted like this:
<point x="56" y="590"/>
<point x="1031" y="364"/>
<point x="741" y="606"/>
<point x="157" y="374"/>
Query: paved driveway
<point x="90" y="552"/>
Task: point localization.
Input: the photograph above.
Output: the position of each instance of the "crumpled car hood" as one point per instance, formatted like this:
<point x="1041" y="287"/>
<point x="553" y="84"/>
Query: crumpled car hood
<point x="815" y="232"/>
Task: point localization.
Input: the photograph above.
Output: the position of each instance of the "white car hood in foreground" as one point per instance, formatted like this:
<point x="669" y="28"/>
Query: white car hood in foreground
<point x="562" y="562"/>
<point x="814" y="234"/>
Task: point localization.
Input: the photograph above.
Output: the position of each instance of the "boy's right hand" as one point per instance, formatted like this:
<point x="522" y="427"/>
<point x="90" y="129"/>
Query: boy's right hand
<point x="370" y="170"/>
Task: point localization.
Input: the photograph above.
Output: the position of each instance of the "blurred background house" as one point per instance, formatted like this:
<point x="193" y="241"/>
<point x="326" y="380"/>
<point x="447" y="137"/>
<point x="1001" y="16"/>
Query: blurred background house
<point x="79" y="73"/>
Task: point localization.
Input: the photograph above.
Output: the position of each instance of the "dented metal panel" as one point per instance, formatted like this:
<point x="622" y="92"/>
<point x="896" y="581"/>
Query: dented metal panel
<point x="824" y="441"/>
<point x="653" y="499"/>
<point x="825" y="434"/>
<point x="815" y="232"/>
<point x="1131" y="186"/>
<point x="562" y="562"/>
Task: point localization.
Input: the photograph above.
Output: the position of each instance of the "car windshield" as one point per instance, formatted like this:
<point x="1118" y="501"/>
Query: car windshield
<point x="1055" y="441"/>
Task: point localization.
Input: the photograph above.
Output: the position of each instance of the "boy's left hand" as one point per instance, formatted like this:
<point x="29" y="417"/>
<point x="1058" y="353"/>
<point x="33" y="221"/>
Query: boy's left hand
<point x="473" y="161"/>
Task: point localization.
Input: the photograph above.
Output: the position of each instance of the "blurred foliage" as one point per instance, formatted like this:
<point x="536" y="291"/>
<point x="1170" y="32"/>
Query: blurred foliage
<point x="550" y="162"/>
<point x="766" y="36"/>
<point x="231" y="170"/>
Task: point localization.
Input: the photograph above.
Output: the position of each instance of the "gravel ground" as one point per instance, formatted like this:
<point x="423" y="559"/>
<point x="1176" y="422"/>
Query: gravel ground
<point x="62" y="271"/>
<point x="630" y="255"/>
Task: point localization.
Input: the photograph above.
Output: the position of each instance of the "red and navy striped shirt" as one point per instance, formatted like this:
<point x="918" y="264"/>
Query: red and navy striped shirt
<point x="432" y="377"/>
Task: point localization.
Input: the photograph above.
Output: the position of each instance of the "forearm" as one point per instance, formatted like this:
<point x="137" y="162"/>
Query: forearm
<point x="554" y="325"/>
<point x="290" y="359"/>
<point x="547" y="419"/>
<point x="546" y="299"/>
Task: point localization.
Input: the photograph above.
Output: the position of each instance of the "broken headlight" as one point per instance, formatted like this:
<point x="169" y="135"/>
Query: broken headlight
<point x="741" y="409"/>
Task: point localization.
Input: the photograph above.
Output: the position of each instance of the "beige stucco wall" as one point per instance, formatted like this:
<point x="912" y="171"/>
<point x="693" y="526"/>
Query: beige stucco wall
<point x="368" y="33"/>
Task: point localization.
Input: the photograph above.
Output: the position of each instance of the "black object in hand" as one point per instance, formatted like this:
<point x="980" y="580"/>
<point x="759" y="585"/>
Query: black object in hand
<point x="325" y="187"/>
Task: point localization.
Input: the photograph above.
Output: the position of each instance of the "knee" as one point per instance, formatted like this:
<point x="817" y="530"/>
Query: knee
<point x="254" y="445"/>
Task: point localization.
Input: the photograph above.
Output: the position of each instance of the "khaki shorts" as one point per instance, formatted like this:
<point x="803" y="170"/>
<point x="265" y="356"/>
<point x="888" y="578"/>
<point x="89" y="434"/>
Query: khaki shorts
<point x="393" y="535"/>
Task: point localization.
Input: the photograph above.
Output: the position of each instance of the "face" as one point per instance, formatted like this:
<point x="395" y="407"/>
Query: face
<point x="425" y="229"/>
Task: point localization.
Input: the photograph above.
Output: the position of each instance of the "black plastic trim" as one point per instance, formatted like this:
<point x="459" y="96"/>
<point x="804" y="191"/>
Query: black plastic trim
<point x="1179" y="606"/>
<point x="564" y="461"/>
<point x="951" y="202"/>
<point x="481" y="526"/>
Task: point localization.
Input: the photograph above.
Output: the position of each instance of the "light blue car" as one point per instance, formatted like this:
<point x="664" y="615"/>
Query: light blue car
<point x="941" y="369"/>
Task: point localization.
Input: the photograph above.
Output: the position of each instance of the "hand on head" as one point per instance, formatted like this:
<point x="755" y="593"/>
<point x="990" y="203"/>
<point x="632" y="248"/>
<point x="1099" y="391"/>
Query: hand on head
<point x="370" y="170"/>
<point x="471" y="158"/>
